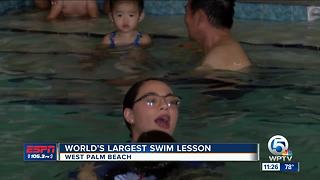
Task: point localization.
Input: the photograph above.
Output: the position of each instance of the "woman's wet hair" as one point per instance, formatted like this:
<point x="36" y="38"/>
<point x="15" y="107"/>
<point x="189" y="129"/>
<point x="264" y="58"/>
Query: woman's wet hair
<point x="131" y="96"/>
<point x="220" y="12"/>
<point x="140" y="4"/>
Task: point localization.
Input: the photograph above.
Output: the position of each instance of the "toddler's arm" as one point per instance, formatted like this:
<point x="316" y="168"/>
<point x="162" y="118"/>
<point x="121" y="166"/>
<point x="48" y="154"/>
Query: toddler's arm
<point x="106" y="40"/>
<point x="145" y="40"/>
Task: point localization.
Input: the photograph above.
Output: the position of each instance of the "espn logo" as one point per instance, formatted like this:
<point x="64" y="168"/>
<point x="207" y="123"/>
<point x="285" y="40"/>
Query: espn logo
<point x="40" y="149"/>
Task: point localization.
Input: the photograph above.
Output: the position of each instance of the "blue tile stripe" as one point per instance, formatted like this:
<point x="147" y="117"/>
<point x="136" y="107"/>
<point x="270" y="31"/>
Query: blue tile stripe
<point x="165" y="7"/>
<point x="249" y="11"/>
<point x="14" y="5"/>
<point x="272" y="12"/>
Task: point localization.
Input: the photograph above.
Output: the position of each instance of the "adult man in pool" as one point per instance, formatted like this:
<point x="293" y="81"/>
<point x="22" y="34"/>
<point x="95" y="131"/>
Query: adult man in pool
<point x="209" y="24"/>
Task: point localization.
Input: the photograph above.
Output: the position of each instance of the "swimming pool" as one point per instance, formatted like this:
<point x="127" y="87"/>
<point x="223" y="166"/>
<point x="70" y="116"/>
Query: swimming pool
<point x="50" y="95"/>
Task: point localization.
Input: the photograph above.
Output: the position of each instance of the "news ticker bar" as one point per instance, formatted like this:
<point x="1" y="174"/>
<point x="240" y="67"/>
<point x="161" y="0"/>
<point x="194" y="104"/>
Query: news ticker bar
<point x="281" y="167"/>
<point x="141" y="152"/>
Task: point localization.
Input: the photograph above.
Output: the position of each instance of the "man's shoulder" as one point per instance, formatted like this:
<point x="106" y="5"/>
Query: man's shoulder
<point x="227" y="56"/>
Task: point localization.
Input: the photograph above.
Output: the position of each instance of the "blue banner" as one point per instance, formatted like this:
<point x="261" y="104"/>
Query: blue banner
<point x="159" y="147"/>
<point x="289" y="167"/>
<point x="40" y="152"/>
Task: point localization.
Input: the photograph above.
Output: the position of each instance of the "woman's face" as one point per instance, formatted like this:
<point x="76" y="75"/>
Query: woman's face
<point x="156" y="108"/>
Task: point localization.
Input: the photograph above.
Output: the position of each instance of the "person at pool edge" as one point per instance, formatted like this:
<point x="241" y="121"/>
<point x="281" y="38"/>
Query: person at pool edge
<point x="66" y="8"/>
<point x="46" y="4"/>
<point x="126" y="15"/>
<point x="42" y="4"/>
<point x="209" y="24"/>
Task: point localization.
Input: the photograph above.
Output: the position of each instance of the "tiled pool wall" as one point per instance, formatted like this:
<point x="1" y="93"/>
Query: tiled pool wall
<point x="243" y="10"/>
<point x="272" y="12"/>
<point x="7" y="6"/>
<point x="14" y="5"/>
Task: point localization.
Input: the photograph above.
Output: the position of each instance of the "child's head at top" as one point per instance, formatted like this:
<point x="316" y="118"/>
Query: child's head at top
<point x="126" y="14"/>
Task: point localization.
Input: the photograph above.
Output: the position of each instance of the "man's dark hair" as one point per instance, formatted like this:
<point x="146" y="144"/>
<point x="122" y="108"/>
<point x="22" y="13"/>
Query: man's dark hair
<point x="131" y="96"/>
<point x="220" y="12"/>
<point x="140" y="4"/>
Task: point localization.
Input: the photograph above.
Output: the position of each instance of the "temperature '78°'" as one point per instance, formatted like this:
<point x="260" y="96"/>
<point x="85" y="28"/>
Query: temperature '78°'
<point x="289" y="166"/>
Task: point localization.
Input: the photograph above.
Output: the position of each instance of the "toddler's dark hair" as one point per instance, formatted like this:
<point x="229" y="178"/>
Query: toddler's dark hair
<point x="140" y="4"/>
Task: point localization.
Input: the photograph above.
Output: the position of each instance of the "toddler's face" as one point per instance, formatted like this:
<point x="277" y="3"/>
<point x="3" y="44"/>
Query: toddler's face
<point x="126" y="16"/>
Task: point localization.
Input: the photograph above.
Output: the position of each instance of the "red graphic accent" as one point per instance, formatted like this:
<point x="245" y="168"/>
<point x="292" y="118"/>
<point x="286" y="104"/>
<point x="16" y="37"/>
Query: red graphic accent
<point x="40" y="149"/>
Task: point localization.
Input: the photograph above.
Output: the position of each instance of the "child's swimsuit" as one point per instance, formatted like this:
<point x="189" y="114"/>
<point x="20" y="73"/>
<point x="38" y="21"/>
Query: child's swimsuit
<point x="136" y="41"/>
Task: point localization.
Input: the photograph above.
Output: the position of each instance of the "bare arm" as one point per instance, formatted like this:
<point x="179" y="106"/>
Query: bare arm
<point x="106" y="7"/>
<point x="145" y="40"/>
<point x="93" y="9"/>
<point x="56" y="9"/>
<point x="106" y="40"/>
<point x="42" y="4"/>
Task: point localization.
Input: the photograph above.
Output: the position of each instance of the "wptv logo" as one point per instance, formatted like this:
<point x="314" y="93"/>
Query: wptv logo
<point x="279" y="147"/>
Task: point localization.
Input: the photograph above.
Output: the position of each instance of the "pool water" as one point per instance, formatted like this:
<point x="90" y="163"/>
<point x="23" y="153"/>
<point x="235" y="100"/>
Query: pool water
<point x="57" y="87"/>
